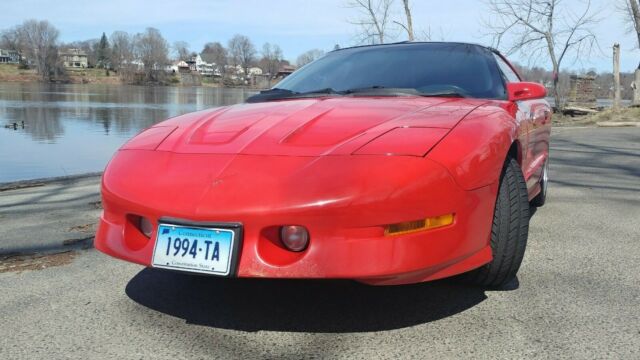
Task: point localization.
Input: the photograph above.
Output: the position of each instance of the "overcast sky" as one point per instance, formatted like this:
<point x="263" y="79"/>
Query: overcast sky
<point x="296" y="25"/>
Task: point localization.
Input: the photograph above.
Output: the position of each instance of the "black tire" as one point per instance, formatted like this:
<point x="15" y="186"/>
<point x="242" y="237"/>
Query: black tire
<point x="509" y="230"/>
<point x="541" y="198"/>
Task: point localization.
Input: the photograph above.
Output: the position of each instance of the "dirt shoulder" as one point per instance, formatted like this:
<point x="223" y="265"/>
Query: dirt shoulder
<point x="625" y="117"/>
<point x="629" y="116"/>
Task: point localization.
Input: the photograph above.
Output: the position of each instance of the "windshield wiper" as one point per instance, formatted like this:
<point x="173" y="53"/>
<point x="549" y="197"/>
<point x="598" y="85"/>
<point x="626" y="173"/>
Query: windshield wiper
<point x="443" y="94"/>
<point x="376" y="90"/>
<point x="276" y="91"/>
<point x="329" y="91"/>
<point x="381" y="90"/>
<point x="277" y="94"/>
<point x="384" y="91"/>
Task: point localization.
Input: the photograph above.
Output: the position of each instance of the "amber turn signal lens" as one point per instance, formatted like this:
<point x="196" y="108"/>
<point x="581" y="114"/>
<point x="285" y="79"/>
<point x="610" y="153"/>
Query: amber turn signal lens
<point x="418" y="225"/>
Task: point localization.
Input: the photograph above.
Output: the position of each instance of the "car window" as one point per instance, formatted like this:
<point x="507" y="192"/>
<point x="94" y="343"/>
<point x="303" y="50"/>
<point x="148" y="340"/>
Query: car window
<point x="507" y="71"/>
<point x="427" y="68"/>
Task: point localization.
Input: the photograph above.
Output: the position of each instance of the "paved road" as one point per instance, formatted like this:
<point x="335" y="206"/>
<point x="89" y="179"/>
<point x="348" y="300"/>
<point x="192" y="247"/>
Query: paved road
<point x="49" y="218"/>
<point x="578" y="294"/>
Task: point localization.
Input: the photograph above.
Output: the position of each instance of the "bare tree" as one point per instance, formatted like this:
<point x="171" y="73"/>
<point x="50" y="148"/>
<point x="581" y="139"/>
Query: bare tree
<point x="632" y="8"/>
<point x="38" y="41"/>
<point x="409" y="26"/>
<point x="271" y="58"/>
<point x="309" y="56"/>
<point x="633" y="11"/>
<point x="10" y="39"/>
<point x="122" y="55"/>
<point x="152" y="49"/>
<point x="429" y="35"/>
<point x="543" y="28"/>
<point x="242" y="52"/>
<point x="121" y="49"/>
<point x="181" y="50"/>
<point x="374" y="19"/>
<point x="216" y="53"/>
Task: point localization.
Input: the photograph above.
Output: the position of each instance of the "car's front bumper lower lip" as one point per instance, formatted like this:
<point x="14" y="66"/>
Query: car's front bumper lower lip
<point x="346" y="223"/>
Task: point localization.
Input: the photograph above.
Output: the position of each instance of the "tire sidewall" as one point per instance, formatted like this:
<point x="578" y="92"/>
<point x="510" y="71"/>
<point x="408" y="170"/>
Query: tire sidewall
<point x="509" y="232"/>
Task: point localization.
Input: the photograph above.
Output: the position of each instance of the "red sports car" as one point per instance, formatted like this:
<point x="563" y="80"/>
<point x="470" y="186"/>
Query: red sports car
<point x="387" y="164"/>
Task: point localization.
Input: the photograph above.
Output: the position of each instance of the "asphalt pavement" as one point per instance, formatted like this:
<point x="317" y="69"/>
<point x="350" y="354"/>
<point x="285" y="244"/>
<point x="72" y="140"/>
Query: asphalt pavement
<point x="577" y="294"/>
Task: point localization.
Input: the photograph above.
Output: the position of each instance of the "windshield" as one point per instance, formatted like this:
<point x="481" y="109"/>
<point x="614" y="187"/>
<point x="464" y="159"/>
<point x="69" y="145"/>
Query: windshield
<point x="423" y="68"/>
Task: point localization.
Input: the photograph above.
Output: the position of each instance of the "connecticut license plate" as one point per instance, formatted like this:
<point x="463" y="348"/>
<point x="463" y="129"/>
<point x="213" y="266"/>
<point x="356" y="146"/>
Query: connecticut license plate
<point x="194" y="249"/>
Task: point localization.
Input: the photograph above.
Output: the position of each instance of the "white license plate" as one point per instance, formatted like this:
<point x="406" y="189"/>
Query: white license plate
<point x="194" y="249"/>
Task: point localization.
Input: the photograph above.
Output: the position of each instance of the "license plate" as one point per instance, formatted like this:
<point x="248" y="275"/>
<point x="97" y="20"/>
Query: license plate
<point x="193" y="249"/>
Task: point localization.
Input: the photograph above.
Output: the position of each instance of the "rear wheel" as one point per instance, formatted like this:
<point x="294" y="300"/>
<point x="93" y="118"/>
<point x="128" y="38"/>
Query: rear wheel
<point x="509" y="231"/>
<point x="541" y="198"/>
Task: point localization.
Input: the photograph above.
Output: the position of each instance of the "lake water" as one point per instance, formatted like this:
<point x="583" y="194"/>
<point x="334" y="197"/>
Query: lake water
<point x="75" y="129"/>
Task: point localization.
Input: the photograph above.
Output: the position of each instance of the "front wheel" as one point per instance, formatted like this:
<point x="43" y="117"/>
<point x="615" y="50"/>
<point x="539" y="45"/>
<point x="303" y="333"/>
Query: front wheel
<point x="509" y="231"/>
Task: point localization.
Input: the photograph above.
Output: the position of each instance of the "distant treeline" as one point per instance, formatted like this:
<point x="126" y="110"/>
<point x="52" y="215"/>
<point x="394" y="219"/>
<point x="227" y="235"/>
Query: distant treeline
<point x="603" y="80"/>
<point x="146" y="56"/>
<point x="148" y="53"/>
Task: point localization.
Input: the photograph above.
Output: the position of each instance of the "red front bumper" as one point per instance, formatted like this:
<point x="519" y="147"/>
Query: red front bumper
<point x="344" y="201"/>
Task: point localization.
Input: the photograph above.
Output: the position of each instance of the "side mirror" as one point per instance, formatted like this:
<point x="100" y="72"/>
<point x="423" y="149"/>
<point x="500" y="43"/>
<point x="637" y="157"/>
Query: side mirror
<point x="525" y="91"/>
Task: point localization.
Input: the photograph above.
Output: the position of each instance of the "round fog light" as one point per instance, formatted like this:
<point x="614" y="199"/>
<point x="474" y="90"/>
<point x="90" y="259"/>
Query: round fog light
<point x="294" y="238"/>
<point x="146" y="226"/>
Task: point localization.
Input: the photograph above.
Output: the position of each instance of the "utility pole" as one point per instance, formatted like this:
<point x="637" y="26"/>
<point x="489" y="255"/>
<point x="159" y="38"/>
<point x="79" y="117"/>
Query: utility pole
<point x="616" y="77"/>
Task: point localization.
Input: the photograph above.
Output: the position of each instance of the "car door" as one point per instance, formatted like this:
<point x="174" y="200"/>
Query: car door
<point x="535" y="129"/>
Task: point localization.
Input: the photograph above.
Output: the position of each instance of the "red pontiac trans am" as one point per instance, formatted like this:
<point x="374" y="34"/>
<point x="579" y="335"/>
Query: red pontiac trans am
<point x="387" y="164"/>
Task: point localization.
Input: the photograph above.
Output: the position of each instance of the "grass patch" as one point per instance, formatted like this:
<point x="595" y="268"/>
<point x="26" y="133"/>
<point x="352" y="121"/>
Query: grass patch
<point x="89" y="72"/>
<point x="629" y="114"/>
<point x="12" y="70"/>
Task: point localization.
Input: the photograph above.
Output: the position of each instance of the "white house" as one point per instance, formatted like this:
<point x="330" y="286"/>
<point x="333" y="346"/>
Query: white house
<point x="255" y="71"/>
<point x="75" y="58"/>
<point x="9" y="57"/>
<point x="205" y="68"/>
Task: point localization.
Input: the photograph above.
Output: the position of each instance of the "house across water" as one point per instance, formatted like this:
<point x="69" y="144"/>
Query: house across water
<point x="74" y="58"/>
<point x="9" y="56"/>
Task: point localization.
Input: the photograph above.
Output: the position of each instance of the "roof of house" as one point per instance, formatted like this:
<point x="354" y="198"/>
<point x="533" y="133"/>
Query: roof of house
<point x="72" y="51"/>
<point x="287" y="68"/>
<point x="6" y="52"/>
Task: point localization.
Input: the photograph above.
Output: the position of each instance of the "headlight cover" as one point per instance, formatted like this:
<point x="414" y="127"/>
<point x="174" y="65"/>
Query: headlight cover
<point x="407" y="141"/>
<point x="149" y="139"/>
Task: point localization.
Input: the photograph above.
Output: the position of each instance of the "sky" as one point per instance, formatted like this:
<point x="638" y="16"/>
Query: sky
<point x="297" y="25"/>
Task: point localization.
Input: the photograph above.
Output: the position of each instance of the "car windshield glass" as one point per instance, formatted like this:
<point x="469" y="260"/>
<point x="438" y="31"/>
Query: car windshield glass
<point x="429" y="69"/>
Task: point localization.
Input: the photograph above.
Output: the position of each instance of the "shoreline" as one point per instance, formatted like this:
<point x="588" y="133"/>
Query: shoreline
<point x="10" y="73"/>
<point x="119" y="83"/>
<point x="29" y="183"/>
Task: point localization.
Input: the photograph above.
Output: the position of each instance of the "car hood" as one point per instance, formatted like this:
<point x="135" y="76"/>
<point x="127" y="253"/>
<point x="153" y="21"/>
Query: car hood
<point x="305" y="127"/>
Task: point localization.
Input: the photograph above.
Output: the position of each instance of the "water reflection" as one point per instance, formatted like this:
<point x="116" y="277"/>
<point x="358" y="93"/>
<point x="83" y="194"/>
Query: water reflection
<point x="70" y="129"/>
<point x="41" y="123"/>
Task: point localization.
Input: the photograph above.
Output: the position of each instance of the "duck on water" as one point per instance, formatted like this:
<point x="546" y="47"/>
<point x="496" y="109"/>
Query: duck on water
<point x="14" y="125"/>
